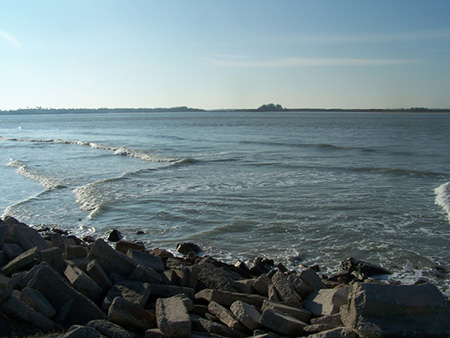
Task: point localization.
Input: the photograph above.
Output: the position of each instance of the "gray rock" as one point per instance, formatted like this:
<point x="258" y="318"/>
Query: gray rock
<point x="71" y="306"/>
<point x="295" y="312"/>
<point x="76" y="251"/>
<point x="185" y="248"/>
<point x="244" y="285"/>
<point x="37" y="302"/>
<point x="227" y="298"/>
<point x="172" y="317"/>
<point x="98" y="275"/>
<point x="379" y="310"/>
<point x="218" y="329"/>
<point x="109" y="329"/>
<point x="282" y="323"/>
<point x="28" y="237"/>
<point x="165" y="290"/>
<point x="115" y="236"/>
<point x="261" y="284"/>
<point x="20" y="261"/>
<point x="18" y="310"/>
<point x="147" y="259"/>
<point x="285" y="289"/>
<point x="133" y="292"/>
<point x="272" y="293"/>
<point x="78" y="331"/>
<point x="310" y="277"/>
<point x="132" y="315"/>
<point x="332" y="320"/>
<point x="83" y="283"/>
<point x="340" y="332"/>
<point x="12" y="250"/>
<point x="351" y="264"/>
<point x="326" y="301"/>
<point x="54" y="257"/>
<point x="225" y="316"/>
<point x="111" y="260"/>
<point x="247" y="314"/>
<point x="145" y="274"/>
<point x="301" y="288"/>
<point x="124" y="246"/>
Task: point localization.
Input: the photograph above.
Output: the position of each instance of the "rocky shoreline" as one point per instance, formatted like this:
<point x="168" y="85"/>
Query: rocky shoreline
<point x="53" y="284"/>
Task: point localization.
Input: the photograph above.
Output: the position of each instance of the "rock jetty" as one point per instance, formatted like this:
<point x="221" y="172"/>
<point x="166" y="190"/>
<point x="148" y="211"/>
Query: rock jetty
<point x="56" y="285"/>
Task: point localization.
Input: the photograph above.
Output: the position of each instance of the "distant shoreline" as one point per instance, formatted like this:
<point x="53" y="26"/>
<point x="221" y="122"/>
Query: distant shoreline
<point x="183" y="109"/>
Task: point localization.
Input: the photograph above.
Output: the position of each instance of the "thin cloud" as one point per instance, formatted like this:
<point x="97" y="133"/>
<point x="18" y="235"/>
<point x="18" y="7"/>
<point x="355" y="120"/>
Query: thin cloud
<point x="301" y="62"/>
<point x="10" y="39"/>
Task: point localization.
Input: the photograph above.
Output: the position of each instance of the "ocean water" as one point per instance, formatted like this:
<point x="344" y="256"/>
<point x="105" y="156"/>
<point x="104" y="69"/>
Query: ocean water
<point x="301" y="188"/>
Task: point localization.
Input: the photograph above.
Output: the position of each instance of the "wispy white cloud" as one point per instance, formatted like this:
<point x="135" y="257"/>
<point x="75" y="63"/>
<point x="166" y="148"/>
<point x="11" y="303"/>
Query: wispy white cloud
<point x="244" y="61"/>
<point x="10" y="39"/>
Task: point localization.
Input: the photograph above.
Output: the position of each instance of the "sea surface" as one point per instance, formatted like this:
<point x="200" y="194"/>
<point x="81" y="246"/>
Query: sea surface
<point x="301" y="188"/>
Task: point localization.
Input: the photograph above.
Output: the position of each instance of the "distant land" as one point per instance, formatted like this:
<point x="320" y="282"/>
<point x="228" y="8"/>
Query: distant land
<point x="264" y="108"/>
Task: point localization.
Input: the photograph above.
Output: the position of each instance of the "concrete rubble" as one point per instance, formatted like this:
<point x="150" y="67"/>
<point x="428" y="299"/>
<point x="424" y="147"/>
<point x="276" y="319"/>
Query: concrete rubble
<point x="62" y="286"/>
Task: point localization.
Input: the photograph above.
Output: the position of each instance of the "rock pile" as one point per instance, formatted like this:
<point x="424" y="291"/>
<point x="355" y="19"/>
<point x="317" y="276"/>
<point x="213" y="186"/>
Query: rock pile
<point x="59" y="283"/>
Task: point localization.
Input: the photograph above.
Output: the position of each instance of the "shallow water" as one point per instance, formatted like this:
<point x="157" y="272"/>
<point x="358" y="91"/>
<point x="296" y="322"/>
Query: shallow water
<point x="302" y="188"/>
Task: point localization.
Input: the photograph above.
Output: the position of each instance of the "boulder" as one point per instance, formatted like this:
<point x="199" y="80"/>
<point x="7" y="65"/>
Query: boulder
<point x="310" y="277"/>
<point x="282" y="323"/>
<point x="225" y="316"/>
<point x="351" y="264"/>
<point x="331" y="320"/>
<point x="133" y="292"/>
<point x="12" y="250"/>
<point x="285" y="289"/>
<point x="146" y="259"/>
<point x="340" y="332"/>
<point x="227" y="298"/>
<point x="213" y="328"/>
<point x="71" y="306"/>
<point x="27" y="237"/>
<point x="247" y="314"/>
<point x="111" y="260"/>
<point x="115" y="236"/>
<point x="109" y="329"/>
<point x="145" y="274"/>
<point x="172" y="317"/>
<point x="379" y="310"/>
<point x="261" y="284"/>
<point x="37" y="302"/>
<point x="76" y="251"/>
<point x="54" y="257"/>
<point x="326" y="301"/>
<point x="301" y="288"/>
<point x="83" y="283"/>
<point x="20" y="261"/>
<point x="295" y="312"/>
<point x="132" y="315"/>
<point x="244" y="285"/>
<point x="185" y="248"/>
<point x="165" y="290"/>
<point x="98" y="275"/>
<point x="124" y="246"/>
<point x="78" y="331"/>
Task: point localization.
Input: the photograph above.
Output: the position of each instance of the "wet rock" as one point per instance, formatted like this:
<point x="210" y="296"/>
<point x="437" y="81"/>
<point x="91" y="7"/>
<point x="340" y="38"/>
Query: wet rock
<point x="115" y="236"/>
<point x="124" y="246"/>
<point x="185" y="248"/>
<point x="351" y="264"/>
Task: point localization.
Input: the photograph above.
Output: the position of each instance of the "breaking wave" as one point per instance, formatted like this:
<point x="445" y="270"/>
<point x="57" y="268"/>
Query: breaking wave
<point x="443" y="197"/>
<point x="45" y="181"/>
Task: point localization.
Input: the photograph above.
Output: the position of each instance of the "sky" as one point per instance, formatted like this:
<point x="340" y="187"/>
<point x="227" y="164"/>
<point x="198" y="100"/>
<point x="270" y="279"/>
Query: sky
<point x="224" y="54"/>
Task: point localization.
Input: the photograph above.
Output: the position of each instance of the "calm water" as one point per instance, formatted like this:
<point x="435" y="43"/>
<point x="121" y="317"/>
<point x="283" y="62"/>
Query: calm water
<point x="302" y="188"/>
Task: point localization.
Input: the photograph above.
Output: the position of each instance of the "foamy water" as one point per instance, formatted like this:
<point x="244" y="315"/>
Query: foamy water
<point x="302" y="188"/>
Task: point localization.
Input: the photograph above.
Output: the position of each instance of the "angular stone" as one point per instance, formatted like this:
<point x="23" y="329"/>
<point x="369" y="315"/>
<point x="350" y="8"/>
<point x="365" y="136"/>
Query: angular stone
<point x="76" y="251"/>
<point x="124" y="246"/>
<point x="98" y="275"/>
<point x="272" y="293"/>
<point x="285" y="289"/>
<point x="155" y="333"/>
<point x="12" y="250"/>
<point x="28" y="237"/>
<point x="282" y="323"/>
<point x="315" y="328"/>
<point x="340" y="332"/>
<point x="227" y="298"/>
<point x="165" y="291"/>
<point x="332" y="320"/>
<point x="295" y="312"/>
<point x="145" y="274"/>
<point x="310" y="277"/>
<point x="172" y="317"/>
<point x="5" y="294"/>
<point x="261" y="285"/>
<point x="83" y="283"/>
<point x="36" y="300"/>
<point x="247" y="314"/>
<point x="218" y="329"/>
<point x="4" y="232"/>
<point x="109" y="329"/>
<point x="133" y="292"/>
<point x="185" y="248"/>
<point x="4" y="281"/>
<point x="244" y="285"/>
<point x="15" y="308"/>
<point x="20" y="261"/>
<point x="392" y="310"/>
<point x="79" y="262"/>
<point x="301" y="288"/>
<point x="77" y="308"/>
<point x="78" y="331"/>
<point x="54" y="257"/>
<point x="115" y="236"/>
<point x="225" y="316"/>
<point x="147" y="259"/>
<point x="110" y="259"/>
<point x="213" y="275"/>
<point x="129" y="314"/>
<point x="351" y="264"/>
<point x="326" y="301"/>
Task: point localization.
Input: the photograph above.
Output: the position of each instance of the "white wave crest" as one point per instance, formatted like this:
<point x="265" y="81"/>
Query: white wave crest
<point x="443" y="197"/>
<point x="45" y="181"/>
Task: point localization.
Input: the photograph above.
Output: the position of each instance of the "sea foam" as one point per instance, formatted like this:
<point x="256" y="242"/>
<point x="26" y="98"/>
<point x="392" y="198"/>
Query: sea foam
<point x="443" y="197"/>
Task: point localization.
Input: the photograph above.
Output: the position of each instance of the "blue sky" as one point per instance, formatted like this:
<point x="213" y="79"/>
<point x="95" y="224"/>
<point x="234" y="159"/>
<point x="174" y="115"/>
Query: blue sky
<point x="224" y="54"/>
